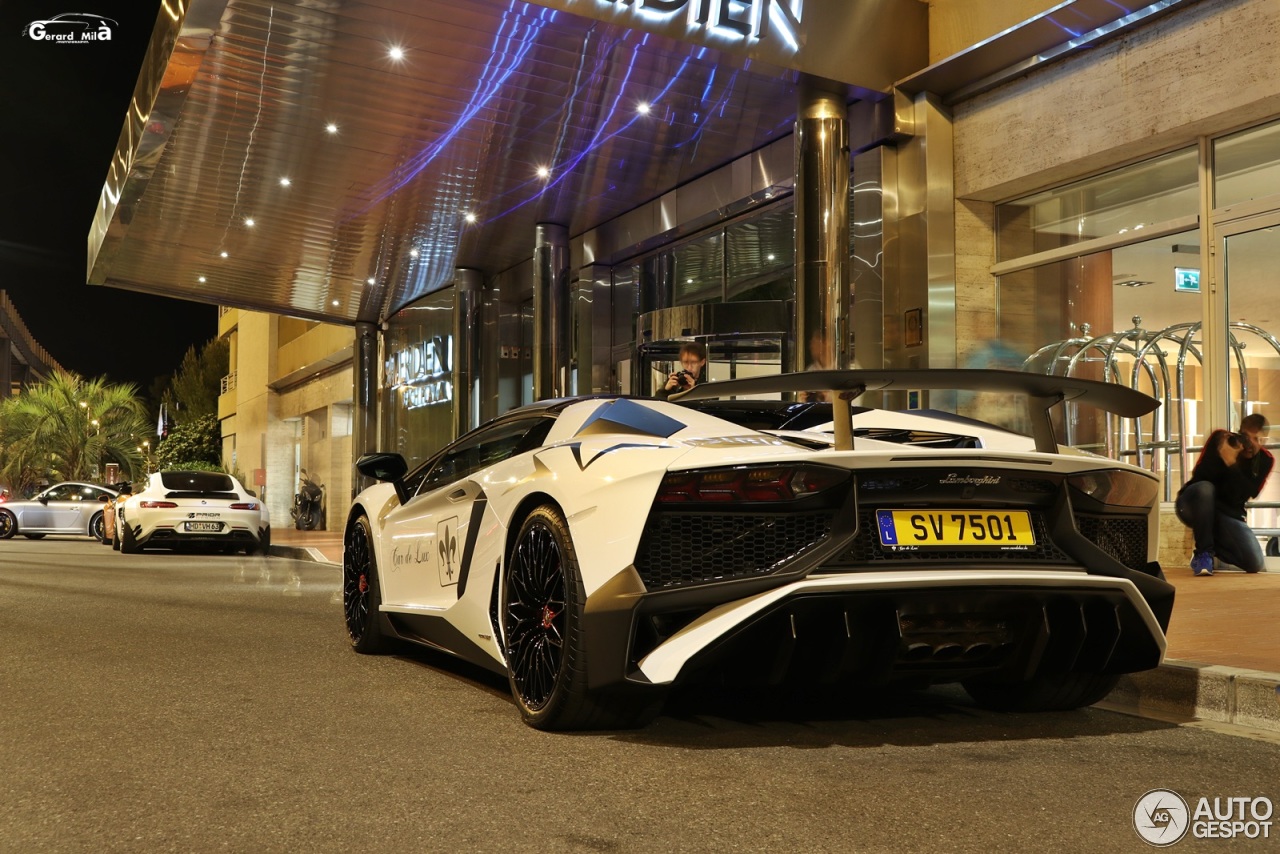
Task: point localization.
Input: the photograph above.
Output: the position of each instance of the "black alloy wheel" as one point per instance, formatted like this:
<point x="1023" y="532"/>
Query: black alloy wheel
<point x="542" y="605"/>
<point x="96" y="527"/>
<point x="360" y="593"/>
<point x="8" y="524"/>
<point x="536" y="614"/>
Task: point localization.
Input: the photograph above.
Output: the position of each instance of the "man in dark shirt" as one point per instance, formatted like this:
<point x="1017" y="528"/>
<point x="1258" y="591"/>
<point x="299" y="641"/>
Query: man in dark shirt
<point x="1232" y="469"/>
<point x="693" y="359"/>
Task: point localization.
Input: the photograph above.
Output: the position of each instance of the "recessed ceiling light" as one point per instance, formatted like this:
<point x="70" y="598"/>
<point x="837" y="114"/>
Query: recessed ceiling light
<point x="222" y="254"/>
<point x="470" y="217"/>
<point x="331" y="127"/>
<point x="335" y="302"/>
<point x="544" y="172"/>
<point x="413" y="253"/>
<point x="396" y="53"/>
<point x="284" y="182"/>
<point x="249" y="222"/>
<point x="769" y="257"/>
<point x="203" y="280"/>
<point x="642" y="108"/>
<point x="371" y="280"/>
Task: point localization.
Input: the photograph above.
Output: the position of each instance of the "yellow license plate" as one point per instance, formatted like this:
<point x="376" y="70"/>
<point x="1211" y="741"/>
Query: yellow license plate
<point x="970" y="528"/>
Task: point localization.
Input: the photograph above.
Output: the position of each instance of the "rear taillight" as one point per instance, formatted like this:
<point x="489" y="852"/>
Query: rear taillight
<point x="155" y="505"/>
<point x="249" y="505"/>
<point x="756" y="483"/>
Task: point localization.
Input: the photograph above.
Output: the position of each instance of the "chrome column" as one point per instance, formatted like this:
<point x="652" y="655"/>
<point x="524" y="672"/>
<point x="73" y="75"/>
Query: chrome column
<point x="467" y="304"/>
<point x="364" y="398"/>
<point x="552" y="318"/>
<point x="920" y="331"/>
<point x="595" y="343"/>
<point x="822" y="225"/>
<point x="874" y="251"/>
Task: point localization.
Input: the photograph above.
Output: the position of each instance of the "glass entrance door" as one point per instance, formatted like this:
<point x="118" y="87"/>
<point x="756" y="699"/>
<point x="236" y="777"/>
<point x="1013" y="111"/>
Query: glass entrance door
<point x="1249" y="256"/>
<point x="1249" y="262"/>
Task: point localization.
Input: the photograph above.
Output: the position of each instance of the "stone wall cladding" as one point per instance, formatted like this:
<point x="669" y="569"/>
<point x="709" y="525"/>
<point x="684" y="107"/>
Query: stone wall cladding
<point x="1201" y="70"/>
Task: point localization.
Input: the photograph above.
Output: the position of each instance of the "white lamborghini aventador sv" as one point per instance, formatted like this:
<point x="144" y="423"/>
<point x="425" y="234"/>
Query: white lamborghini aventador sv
<point x="599" y="550"/>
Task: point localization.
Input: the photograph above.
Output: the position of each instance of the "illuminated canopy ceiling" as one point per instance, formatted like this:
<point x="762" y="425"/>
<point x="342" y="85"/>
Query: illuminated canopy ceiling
<point x="337" y="159"/>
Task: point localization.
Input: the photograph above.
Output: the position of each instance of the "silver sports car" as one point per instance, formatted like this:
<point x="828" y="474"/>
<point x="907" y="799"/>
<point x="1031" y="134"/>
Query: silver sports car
<point x="64" y="508"/>
<point x="599" y="550"/>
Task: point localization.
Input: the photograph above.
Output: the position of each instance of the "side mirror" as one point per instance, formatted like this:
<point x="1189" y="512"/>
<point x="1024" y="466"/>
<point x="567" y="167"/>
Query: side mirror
<point x="104" y="498"/>
<point x="386" y="468"/>
<point x="43" y="499"/>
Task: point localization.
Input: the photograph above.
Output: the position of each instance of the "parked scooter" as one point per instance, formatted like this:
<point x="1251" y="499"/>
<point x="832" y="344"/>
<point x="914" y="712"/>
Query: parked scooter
<point x="308" y="503"/>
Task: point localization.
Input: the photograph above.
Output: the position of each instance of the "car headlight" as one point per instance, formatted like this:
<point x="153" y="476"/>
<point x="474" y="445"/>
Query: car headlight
<point x="1117" y="488"/>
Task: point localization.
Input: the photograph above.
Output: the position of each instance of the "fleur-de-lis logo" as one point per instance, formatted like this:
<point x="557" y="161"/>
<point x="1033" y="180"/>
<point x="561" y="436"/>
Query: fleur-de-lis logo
<point x="447" y="548"/>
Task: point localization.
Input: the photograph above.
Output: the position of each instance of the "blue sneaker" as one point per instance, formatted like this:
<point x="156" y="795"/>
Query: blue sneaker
<point x="1202" y="563"/>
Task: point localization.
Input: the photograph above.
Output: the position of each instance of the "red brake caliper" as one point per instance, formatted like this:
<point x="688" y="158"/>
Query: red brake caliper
<point x="548" y="616"/>
<point x="364" y="584"/>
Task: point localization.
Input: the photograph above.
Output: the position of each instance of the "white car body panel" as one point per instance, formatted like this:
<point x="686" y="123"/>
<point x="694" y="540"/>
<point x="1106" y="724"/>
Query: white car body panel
<point x="169" y="525"/>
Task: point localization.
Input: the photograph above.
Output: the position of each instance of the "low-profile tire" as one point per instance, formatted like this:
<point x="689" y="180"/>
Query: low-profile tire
<point x="264" y="542"/>
<point x="34" y="536"/>
<point x="361" y="593"/>
<point x="8" y="524"/>
<point x="115" y="541"/>
<point x="128" y="543"/>
<point x="1052" y="692"/>
<point x="96" y="527"/>
<point x="542" y="605"/>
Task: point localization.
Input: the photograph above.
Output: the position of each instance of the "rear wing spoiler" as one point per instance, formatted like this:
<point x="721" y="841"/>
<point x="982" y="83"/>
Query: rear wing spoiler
<point x="1042" y="392"/>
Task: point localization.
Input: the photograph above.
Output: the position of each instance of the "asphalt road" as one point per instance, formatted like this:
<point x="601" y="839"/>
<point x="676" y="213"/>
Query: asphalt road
<point x="188" y="703"/>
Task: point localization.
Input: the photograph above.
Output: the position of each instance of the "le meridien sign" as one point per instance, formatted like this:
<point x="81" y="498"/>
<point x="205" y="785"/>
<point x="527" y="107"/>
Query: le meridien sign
<point x="752" y="20"/>
<point x="420" y="372"/>
<point x="867" y="44"/>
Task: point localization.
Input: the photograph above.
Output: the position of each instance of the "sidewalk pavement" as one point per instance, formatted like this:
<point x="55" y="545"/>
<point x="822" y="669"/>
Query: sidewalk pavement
<point x="1222" y="663"/>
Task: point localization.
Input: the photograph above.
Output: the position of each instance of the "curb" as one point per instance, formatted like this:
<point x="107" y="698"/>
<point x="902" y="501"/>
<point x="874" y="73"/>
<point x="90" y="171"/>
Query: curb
<point x="1188" y="690"/>
<point x="299" y="553"/>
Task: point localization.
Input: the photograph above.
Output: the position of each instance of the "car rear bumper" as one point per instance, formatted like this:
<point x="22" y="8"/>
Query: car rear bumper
<point x="936" y="625"/>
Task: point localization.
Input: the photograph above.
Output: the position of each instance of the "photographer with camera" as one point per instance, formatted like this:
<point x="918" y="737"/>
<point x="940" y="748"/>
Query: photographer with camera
<point x="693" y="358"/>
<point x="1231" y="470"/>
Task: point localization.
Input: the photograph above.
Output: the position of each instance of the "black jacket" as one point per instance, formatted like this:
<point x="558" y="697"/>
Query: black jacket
<point x="1233" y="485"/>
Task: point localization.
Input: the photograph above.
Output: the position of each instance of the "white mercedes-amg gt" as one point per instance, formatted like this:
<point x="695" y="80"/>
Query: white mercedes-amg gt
<point x="599" y="550"/>
<point x="179" y="509"/>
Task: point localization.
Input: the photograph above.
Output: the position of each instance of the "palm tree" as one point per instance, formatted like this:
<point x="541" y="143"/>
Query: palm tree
<point x="67" y="427"/>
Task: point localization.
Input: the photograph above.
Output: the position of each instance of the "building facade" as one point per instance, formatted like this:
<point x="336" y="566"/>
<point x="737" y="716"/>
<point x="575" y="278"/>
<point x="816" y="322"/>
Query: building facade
<point x="23" y="361"/>
<point x="285" y="408"/>
<point x="1062" y="187"/>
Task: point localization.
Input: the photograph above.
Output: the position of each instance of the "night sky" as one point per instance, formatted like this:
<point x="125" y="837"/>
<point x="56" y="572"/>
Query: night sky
<point x="62" y="107"/>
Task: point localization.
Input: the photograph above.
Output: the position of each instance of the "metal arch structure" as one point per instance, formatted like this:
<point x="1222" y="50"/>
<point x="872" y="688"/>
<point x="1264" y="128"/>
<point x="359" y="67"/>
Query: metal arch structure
<point x="1167" y="437"/>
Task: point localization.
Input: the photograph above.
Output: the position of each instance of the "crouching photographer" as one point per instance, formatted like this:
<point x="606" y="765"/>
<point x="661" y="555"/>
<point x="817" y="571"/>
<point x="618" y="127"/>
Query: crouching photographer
<point x="1231" y="470"/>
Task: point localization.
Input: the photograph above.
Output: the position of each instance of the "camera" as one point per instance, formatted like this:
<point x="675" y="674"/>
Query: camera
<point x="684" y="378"/>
